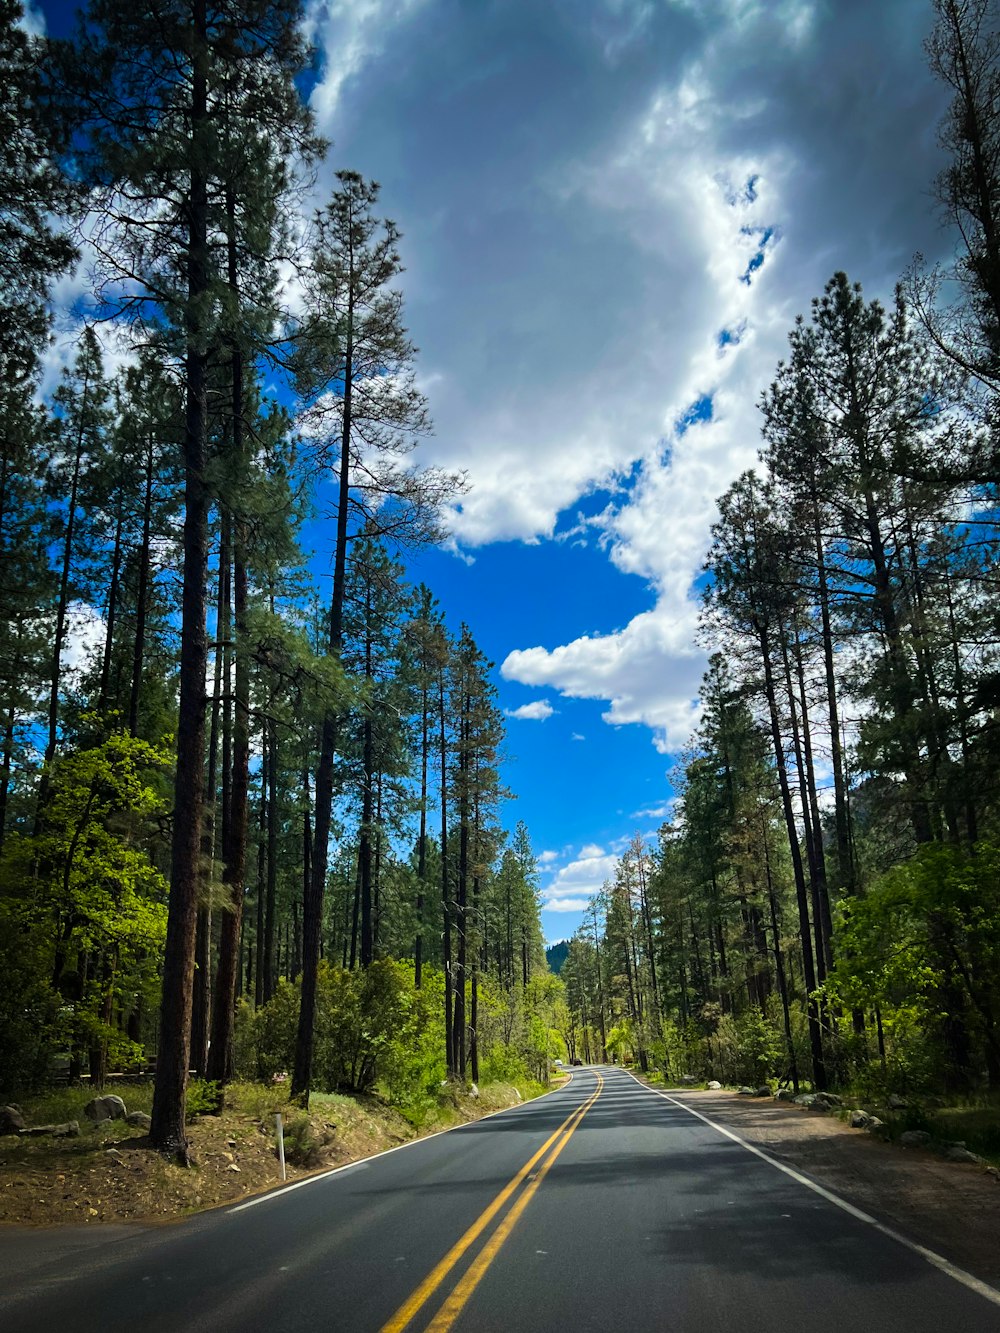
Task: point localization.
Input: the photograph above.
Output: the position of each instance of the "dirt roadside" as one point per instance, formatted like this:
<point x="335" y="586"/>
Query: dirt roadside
<point x="951" y="1208"/>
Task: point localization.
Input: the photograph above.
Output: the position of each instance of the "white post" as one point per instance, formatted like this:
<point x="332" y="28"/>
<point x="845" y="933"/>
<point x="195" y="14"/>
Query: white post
<point x="281" y="1143"/>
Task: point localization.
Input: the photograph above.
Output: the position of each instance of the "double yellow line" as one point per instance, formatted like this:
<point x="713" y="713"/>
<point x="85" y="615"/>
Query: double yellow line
<point x="456" y="1302"/>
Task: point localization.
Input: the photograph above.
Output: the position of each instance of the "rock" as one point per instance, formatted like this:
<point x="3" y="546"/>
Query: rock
<point x="860" y="1119"/>
<point x="784" y="1095"/>
<point x="70" y="1129"/>
<point x="114" y="1154"/>
<point x="763" y="1090"/>
<point x="896" y="1103"/>
<point x="473" y="1090"/>
<point x="139" y="1119"/>
<point x="232" y="1167"/>
<point x="810" y="1100"/>
<point x="829" y="1100"/>
<point x="745" y="1092"/>
<point x="109" y="1107"/>
<point x="714" y="1085"/>
<point x="11" y="1120"/>
<point x="914" y="1138"/>
<point x="875" y="1125"/>
<point x="957" y="1152"/>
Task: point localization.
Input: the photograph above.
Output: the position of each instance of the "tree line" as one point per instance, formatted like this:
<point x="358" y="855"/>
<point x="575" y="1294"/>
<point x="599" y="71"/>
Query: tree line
<point x="825" y="903"/>
<point x="232" y="791"/>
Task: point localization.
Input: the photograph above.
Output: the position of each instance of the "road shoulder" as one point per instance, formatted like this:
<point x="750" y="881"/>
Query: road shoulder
<point x="951" y="1208"/>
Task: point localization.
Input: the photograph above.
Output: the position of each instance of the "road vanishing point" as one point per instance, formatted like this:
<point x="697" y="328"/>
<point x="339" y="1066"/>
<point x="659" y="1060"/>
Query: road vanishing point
<point x="602" y="1205"/>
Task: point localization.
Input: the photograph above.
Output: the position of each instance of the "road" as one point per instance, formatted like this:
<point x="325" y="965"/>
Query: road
<point x="604" y="1205"/>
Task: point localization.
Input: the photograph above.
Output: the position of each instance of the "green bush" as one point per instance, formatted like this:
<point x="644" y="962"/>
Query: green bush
<point x="373" y="1028"/>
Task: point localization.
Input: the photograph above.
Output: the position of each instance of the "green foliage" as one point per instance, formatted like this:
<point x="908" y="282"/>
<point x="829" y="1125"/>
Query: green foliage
<point x="925" y="939"/>
<point x="204" y="1097"/>
<point x="303" y="1144"/>
<point x="82" y="909"/>
<point x="373" y="1029"/>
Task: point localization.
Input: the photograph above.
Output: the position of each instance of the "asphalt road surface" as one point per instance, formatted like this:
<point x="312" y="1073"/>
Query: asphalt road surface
<point x="603" y="1205"/>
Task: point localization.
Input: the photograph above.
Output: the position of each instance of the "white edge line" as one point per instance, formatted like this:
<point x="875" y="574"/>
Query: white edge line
<point x="937" y="1260"/>
<point x="411" y="1143"/>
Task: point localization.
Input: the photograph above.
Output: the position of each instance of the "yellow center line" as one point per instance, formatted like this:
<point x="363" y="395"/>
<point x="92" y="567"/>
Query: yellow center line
<point x="456" y="1302"/>
<point x="441" y="1270"/>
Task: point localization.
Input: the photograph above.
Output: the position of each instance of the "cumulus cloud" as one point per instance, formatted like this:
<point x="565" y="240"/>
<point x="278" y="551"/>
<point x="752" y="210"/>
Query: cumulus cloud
<point x="579" y="880"/>
<point x="612" y="213"/>
<point x="536" y="711"/>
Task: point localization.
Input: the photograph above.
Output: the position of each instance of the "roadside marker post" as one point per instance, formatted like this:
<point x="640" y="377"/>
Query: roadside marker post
<point x="279" y="1130"/>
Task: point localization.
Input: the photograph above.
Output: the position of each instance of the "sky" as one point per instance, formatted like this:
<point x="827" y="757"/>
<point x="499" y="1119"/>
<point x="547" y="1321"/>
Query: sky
<point x="612" y="211"/>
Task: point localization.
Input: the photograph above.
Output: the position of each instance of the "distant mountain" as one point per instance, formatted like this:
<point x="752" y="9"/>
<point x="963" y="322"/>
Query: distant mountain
<point x="555" y="955"/>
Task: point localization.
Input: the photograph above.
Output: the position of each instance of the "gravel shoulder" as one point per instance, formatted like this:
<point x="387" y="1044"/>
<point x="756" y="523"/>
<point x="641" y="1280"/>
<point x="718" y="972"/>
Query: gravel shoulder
<point x="952" y="1208"/>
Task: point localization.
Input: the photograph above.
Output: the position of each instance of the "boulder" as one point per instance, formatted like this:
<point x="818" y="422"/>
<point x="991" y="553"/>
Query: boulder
<point x="70" y="1129"/>
<point x="108" y="1107"/>
<point x="745" y="1092"/>
<point x="860" y="1119"/>
<point x="714" y="1085"/>
<point x="914" y="1138"/>
<point x="829" y="1100"/>
<point x="810" y="1100"/>
<point x="139" y="1119"/>
<point x="784" y="1095"/>
<point x="875" y="1125"/>
<point x="11" y="1120"/>
<point x="763" y="1090"/>
<point x="958" y="1152"/>
<point x="896" y="1103"/>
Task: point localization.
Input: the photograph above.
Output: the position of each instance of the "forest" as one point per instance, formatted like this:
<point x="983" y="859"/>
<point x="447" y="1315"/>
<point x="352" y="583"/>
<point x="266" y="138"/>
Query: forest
<point x="250" y="815"/>
<point x="252" y="821"/>
<point x="824" y="906"/>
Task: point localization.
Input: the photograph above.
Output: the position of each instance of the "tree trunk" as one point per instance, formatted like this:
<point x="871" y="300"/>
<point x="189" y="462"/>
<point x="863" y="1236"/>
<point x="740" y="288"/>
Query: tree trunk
<point x="167" y="1129"/>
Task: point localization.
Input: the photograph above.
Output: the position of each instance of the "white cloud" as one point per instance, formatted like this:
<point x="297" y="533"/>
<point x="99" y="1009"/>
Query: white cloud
<point x="665" y="810"/>
<point x="536" y="711"/>
<point x="566" y="905"/>
<point x="583" y="270"/>
<point x="576" y="882"/>
<point x="546" y="858"/>
<point x="351" y="33"/>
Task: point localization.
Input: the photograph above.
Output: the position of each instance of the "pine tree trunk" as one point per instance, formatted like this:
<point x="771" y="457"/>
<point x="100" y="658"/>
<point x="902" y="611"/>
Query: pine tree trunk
<point x="142" y="597"/>
<point x="167" y="1130"/>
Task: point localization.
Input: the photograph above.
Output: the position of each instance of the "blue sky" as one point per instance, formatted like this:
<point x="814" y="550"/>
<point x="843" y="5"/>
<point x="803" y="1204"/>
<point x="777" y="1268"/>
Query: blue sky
<point x="612" y="211"/>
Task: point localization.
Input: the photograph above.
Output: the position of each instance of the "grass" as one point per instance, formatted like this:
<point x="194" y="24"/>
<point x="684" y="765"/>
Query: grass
<point x="58" y="1105"/>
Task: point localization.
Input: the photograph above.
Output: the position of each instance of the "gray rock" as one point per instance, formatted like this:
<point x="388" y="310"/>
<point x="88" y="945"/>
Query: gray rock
<point x="763" y="1090"/>
<point x="11" y="1120"/>
<point x="860" y="1119"/>
<point x="914" y="1138"/>
<point x="875" y="1125"/>
<point x="896" y="1103"/>
<point x="957" y="1152"/>
<point x="70" y="1129"/>
<point x="714" y="1085"/>
<point x="810" y="1100"/>
<point x="108" y="1107"/>
<point x="745" y="1092"/>
<point x="139" y="1119"/>
<point x="784" y="1095"/>
<point x="829" y="1100"/>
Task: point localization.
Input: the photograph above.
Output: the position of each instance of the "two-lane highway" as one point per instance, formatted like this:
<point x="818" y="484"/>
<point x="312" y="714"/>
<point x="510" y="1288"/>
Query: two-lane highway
<point x="603" y="1205"/>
